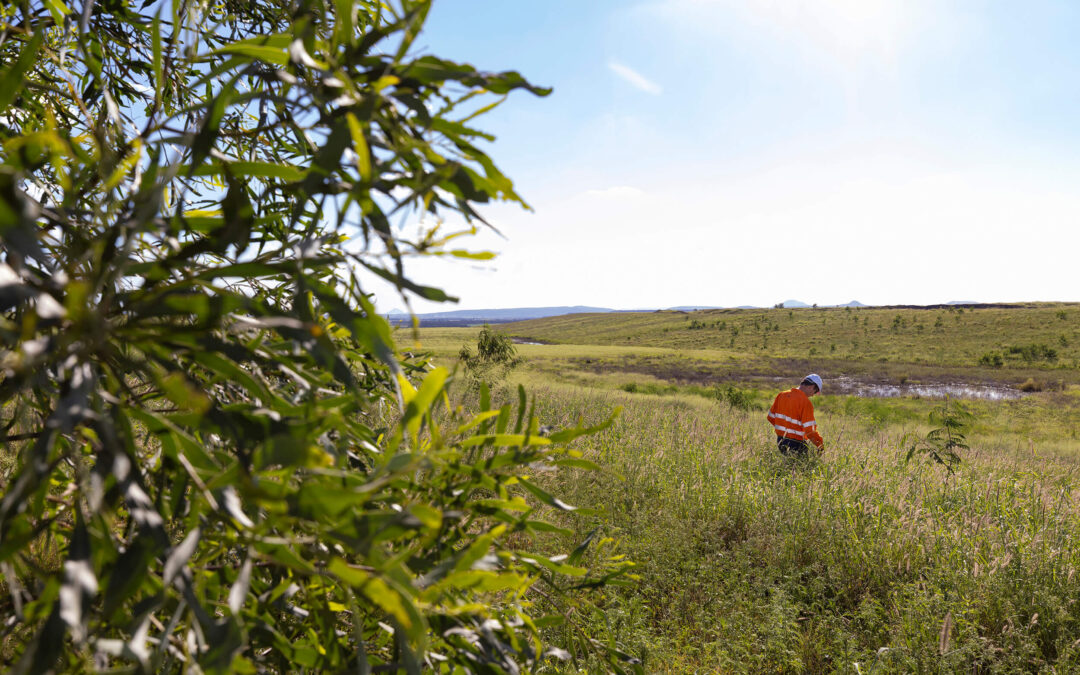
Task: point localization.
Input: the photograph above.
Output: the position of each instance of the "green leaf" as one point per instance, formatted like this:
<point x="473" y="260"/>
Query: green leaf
<point x="552" y="565"/>
<point x="285" y="172"/>
<point x="273" y="49"/>
<point x="568" y="435"/>
<point x="180" y="391"/>
<point x="11" y="78"/>
<point x="58" y="10"/>
<point x="472" y="255"/>
<point x="378" y="591"/>
<point x="478" y="549"/>
<point x="360" y="147"/>
<point x="420" y="403"/>
<point x="321" y="500"/>
<point x="546" y="497"/>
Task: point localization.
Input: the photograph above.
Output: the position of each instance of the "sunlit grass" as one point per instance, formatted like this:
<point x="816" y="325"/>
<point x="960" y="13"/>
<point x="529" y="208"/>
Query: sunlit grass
<point x="951" y="337"/>
<point x="858" y="562"/>
<point x="750" y="564"/>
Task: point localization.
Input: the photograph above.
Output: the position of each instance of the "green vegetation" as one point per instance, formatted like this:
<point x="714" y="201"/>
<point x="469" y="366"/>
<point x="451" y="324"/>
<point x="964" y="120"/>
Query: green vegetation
<point x="1023" y="336"/>
<point x="749" y="564"/>
<point x="944" y="443"/>
<point x="925" y="539"/>
<point x="495" y="357"/>
<point x="214" y="458"/>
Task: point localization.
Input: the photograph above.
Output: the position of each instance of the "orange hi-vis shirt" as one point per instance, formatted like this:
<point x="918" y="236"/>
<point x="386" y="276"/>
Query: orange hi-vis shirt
<point x="792" y="416"/>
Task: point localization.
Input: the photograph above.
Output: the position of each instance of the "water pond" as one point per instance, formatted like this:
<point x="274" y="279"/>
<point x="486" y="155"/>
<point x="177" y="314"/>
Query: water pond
<point x="961" y="390"/>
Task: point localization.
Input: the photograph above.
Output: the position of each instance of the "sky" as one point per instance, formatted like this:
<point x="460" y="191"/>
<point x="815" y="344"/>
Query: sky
<point x="747" y="152"/>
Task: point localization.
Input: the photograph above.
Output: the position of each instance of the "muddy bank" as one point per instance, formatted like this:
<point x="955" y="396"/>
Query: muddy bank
<point x="529" y="341"/>
<point x="780" y="373"/>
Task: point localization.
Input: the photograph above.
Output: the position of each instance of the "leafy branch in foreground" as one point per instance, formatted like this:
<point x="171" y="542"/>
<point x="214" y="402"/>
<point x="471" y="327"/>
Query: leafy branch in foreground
<point x="942" y="443"/>
<point x="214" y="456"/>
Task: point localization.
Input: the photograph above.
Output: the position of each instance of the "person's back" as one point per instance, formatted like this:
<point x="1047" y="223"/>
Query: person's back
<point x="792" y="418"/>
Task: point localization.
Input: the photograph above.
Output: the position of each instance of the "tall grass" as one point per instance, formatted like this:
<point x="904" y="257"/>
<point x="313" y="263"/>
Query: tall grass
<point x="859" y="561"/>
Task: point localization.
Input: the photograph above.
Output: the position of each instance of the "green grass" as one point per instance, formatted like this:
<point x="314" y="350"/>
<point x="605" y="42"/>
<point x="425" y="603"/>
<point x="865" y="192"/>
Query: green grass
<point x="756" y="347"/>
<point x="749" y="564"/>
<point x="858" y="562"/>
<point x="920" y="341"/>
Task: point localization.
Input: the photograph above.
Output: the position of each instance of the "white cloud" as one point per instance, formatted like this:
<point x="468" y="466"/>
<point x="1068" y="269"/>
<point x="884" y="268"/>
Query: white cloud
<point x="635" y="79"/>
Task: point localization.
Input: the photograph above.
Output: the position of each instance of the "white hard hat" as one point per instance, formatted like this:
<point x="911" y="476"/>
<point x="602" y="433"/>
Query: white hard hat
<point x="815" y="378"/>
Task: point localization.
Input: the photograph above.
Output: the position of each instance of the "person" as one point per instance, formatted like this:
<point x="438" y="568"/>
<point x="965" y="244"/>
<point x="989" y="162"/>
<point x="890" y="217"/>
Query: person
<point x="792" y="418"/>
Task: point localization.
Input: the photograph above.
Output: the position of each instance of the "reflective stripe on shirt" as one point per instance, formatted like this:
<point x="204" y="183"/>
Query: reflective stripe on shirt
<point x="800" y="434"/>
<point x="792" y="420"/>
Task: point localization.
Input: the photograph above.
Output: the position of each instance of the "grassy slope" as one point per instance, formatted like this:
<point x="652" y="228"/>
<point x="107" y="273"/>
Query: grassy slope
<point x="881" y="344"/>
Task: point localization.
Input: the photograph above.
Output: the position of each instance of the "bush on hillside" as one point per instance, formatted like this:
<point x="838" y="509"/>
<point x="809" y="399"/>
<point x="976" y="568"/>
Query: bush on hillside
<point x="1034" y="352"/>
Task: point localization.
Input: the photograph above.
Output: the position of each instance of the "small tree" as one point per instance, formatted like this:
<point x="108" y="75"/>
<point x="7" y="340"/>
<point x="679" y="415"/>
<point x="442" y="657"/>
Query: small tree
<point x="943" y="443"/>
<point x="495" y="357"/>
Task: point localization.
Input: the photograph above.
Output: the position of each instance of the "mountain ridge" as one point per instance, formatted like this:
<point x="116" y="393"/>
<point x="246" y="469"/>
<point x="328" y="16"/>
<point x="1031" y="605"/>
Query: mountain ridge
<point x="462" y="317"/>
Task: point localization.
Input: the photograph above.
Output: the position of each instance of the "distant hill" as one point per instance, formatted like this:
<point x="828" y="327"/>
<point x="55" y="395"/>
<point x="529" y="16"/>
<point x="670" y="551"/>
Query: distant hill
<point x="466" y="317"/>
<point x="797" y="304"/>
<point x="472" y="317"/>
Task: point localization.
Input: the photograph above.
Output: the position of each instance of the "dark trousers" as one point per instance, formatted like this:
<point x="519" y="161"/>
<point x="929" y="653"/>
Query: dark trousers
<point x="791" y="447"/>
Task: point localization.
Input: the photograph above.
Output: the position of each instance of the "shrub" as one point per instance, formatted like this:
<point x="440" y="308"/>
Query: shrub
<point x="492" y="348"/>
<point x="1034" y="352"/>
<point x="992" y="360"/>
<point x="206" y="424"/>
<point x="735" y="397"/>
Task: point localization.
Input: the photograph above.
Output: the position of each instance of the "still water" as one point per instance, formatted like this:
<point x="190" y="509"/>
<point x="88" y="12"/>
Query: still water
<point x="848" y="386"/>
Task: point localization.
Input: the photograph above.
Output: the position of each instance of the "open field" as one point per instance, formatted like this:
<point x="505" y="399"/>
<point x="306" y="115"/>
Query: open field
<point x="1025" y="401"/>
<point x="859" y="562"/>
<point x="955" y="336"/>
<point x="1039" y="342"/>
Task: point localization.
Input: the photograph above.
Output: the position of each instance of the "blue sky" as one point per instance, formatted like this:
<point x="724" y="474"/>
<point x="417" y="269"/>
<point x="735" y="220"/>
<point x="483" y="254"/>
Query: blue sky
<point x="727" y="152"/>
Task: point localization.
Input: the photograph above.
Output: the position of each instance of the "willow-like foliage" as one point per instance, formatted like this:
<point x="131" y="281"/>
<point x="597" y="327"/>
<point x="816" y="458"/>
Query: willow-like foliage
<point x="215" y="458"/>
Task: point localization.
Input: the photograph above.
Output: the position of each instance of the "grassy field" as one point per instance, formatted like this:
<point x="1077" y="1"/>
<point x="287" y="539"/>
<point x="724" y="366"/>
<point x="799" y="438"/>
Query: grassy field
<point x="955" y="336"/>
<point x="859" y="562"/>
<point x="1010" y="346"/>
